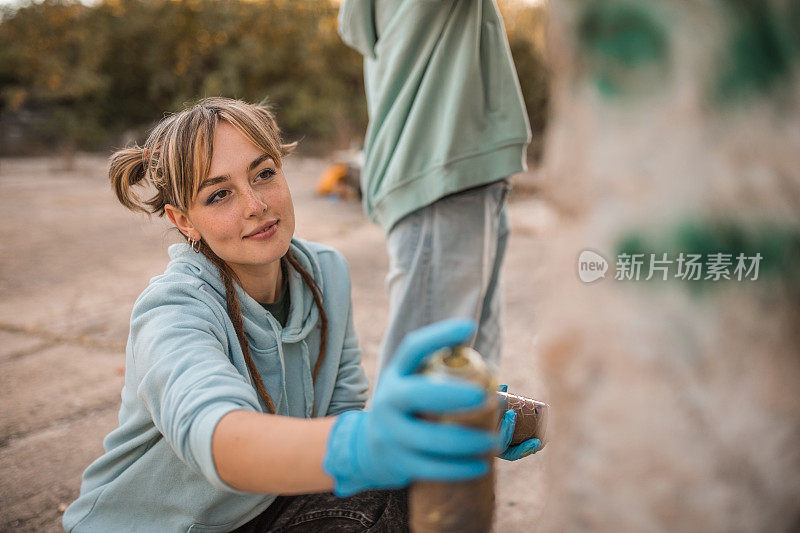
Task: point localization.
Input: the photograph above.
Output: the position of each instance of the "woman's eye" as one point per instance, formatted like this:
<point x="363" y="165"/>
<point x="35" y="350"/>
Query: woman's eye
<point x="217" y="196"/>
<point x="267" y="173"/>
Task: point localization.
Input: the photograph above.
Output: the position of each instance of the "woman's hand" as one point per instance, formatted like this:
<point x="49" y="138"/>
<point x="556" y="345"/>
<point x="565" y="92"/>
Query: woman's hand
<point x="388" y="446"/>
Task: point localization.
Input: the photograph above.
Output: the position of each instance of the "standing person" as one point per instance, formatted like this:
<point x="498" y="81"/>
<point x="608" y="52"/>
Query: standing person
<point x="243" y="377"/>
<point x="447" y="127"/>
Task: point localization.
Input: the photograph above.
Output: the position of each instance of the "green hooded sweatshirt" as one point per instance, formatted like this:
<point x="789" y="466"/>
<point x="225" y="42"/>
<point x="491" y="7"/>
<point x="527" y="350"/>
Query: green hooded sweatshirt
<point x="445" y="108"/>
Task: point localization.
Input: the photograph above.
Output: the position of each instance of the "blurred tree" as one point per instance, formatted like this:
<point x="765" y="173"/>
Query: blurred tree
<point x="48" y="63"/>
<point x="92" y="76"/>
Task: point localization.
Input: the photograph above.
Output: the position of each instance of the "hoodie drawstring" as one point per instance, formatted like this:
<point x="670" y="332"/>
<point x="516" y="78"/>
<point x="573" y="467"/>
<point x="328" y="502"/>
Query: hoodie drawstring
<point x="308" y="381"/>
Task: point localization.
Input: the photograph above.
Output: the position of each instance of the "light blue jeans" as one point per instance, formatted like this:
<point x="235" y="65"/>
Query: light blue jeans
<point x="445" y="262"/>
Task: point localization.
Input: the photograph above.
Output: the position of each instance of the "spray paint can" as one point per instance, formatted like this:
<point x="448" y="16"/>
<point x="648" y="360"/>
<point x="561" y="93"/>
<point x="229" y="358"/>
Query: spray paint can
<point x="531" y="417"/>
<point x="463" y="506"/>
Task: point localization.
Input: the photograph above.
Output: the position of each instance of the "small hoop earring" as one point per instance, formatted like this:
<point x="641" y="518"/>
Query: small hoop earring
<point x="195" y="245"/>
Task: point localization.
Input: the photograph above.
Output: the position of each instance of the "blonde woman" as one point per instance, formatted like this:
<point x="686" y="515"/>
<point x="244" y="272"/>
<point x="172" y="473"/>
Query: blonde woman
<point x="243" y="373"/>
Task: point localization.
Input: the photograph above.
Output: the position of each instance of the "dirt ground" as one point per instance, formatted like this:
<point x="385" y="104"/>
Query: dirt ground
<point x="72" y="262"/>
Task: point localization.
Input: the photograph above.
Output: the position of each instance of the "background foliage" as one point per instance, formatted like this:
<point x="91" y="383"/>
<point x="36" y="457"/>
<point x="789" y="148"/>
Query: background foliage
<point x="74" y="76"/>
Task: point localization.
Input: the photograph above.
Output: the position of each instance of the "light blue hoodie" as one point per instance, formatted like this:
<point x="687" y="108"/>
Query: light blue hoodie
<point x="185" y="371"/>
<point x="446" y="111"/>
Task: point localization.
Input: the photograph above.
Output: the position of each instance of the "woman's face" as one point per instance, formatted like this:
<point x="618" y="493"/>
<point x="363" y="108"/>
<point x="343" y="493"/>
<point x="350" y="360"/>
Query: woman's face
<point x="243" y="210"/>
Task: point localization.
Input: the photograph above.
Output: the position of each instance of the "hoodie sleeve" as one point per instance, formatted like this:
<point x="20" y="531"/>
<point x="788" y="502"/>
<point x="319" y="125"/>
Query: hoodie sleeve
<point x="357" y="26"/>
<point x="185" y="379"/>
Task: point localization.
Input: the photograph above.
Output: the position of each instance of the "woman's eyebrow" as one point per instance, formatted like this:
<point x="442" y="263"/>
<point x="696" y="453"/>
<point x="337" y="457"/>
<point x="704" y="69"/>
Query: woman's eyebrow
<point x="219" y="179"/>
<point x="257" y="161"/>
<point x="208" y="182"/>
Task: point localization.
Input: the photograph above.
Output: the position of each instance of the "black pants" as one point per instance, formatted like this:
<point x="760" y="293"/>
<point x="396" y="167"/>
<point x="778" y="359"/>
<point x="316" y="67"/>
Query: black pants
<point x="378" y="511"/>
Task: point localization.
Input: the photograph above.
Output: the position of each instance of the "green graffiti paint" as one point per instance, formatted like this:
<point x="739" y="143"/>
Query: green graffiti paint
<point x="792" y="23"/>
<point x="761" y="48"/>
<point x="634" y="243"/>
<point x="625" y="44"/>
<point x="778" y="246"/>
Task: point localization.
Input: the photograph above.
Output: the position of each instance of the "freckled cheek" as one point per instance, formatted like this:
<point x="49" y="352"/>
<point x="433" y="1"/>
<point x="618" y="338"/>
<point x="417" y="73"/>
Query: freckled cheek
<point x="288" y="214"/>
<point x="223" y="228"/>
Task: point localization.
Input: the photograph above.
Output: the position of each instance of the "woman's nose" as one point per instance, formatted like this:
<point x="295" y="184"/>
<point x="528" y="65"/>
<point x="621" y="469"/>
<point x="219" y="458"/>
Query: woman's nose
<point x="254" y="205"/>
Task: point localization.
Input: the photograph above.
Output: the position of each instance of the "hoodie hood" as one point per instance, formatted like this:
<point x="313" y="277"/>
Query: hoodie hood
<point x="357" y="26"/>
<point x="303" y="312"/>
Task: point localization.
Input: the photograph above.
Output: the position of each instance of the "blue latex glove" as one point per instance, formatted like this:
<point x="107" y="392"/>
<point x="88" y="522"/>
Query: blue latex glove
<point x="523" y="449"/>
<point x="388" y="446"/>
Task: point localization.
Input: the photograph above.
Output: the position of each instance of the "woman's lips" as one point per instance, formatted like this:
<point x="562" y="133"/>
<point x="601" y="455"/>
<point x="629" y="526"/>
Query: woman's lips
<point x="265" y="233"/>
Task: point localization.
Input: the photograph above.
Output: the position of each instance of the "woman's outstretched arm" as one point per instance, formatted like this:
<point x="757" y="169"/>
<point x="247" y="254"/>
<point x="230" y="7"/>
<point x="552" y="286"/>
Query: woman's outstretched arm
<point x="385" y="447"/>
<point x="257" y="452"/>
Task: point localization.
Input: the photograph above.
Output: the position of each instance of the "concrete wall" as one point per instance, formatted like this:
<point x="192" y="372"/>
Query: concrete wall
<point x="676" y="404"/>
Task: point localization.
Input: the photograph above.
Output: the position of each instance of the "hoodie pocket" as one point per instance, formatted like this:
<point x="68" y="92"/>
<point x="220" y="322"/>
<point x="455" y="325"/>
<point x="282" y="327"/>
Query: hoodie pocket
<point x="270" y="367"/>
